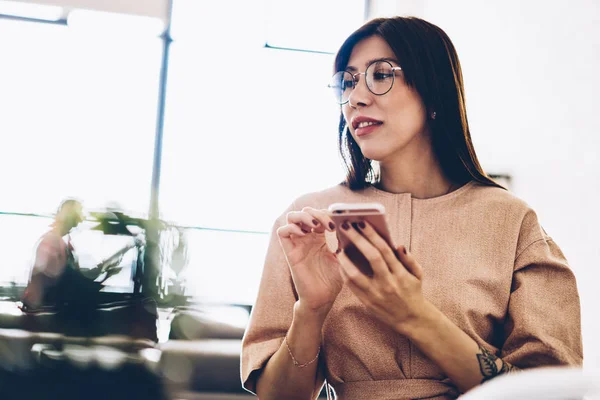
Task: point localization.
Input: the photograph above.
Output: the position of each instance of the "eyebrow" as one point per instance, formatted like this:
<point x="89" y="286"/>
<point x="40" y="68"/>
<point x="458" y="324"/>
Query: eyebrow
<point x="353" y="69"/>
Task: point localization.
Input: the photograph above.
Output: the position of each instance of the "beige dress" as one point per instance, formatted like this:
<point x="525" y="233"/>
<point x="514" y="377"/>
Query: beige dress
<point x="488" y="265"/>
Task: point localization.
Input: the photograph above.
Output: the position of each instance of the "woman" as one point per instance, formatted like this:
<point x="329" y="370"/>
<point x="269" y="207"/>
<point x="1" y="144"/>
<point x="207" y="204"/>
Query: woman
<point x="475" y="287"/>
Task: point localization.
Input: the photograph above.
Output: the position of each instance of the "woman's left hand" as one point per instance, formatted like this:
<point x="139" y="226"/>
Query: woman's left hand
<point x="393" y="293"/>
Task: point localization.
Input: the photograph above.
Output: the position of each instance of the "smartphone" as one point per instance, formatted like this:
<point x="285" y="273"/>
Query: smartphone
<point x="352" y="213"/>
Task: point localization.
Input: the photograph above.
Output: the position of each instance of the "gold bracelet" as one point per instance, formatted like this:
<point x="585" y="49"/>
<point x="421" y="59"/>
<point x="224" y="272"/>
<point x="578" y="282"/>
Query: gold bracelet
<point x="296" y="363"/>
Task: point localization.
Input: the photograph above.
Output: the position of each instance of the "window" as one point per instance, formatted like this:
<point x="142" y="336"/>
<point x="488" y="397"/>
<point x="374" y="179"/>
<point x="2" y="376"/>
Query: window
<point x="312" y="25"/>
<point x="248" y="129"/>
<point x="79" y="113"/>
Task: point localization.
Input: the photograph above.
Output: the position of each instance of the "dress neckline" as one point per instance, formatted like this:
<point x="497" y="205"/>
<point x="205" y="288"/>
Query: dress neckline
<point x="447" y="196"/>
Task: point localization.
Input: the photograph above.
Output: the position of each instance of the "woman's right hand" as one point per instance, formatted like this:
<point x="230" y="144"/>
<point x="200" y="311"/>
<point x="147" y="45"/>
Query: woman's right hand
<point x="314" y="268"/>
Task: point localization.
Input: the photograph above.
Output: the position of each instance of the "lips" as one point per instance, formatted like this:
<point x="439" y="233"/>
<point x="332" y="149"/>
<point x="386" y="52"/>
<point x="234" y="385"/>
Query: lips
<point x="364" y="125"/>
<point x="362" y="122"/>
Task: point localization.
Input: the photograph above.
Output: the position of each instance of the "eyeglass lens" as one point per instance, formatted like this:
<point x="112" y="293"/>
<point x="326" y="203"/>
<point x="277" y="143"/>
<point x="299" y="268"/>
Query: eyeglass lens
<point x="379" y="78"/>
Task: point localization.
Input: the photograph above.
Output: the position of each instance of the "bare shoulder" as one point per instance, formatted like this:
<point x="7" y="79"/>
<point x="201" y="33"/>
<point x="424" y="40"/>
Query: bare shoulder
<point x="50" y="243"/>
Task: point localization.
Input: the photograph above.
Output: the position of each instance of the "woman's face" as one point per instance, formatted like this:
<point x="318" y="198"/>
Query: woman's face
<point x="399" y="115"/>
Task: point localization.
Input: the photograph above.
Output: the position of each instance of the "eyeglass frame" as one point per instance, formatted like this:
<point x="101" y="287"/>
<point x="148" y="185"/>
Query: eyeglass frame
<point x="355" y="81"/>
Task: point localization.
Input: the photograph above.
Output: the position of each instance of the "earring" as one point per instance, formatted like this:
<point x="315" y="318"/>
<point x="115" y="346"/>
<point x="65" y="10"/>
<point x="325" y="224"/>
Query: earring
<point x="433" y="114"/>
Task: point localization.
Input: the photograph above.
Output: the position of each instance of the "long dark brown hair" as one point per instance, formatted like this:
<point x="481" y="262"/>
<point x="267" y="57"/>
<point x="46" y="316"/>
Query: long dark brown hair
<point x="430" y="65"/>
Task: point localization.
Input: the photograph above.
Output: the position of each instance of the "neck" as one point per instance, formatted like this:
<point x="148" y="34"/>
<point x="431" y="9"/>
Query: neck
<point x="60" y="230"/>
<point x="417" y="172"/>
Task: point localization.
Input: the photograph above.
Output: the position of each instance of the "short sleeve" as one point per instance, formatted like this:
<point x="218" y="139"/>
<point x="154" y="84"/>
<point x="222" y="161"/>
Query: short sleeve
<point x="543" y="327"/>
<point x="50" y="257"/>
<point x="48" y="265"/>
<point x="271" y="314"/>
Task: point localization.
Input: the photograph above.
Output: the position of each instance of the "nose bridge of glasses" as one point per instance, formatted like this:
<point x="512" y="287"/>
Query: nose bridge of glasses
<point x="356" y="78"/>
<point x="359" y="95"/>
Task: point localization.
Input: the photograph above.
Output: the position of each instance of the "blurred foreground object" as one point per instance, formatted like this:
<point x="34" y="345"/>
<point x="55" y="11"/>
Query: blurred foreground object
<point x="65" y="299"/>
<point x="162" y="252"/>
<point x="551" y="383"/>
<point x="57" y="368"/>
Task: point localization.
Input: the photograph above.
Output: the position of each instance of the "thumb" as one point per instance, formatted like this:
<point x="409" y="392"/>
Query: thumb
<point x="409" y="262"/>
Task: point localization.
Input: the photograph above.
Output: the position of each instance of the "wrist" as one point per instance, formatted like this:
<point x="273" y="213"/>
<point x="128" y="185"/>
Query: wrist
<point x="310" y="316"/>
<point x="426" y="320"/>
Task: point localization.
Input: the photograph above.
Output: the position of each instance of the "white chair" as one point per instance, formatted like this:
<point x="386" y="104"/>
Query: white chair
<point x="549" y="383"/>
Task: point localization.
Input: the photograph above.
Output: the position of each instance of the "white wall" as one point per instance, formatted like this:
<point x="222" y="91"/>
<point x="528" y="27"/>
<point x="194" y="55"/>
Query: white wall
<point x="532" y="77"/>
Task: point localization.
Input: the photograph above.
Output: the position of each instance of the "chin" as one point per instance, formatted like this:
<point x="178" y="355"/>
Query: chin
<point x="380" y="150"/>
<point x="375" y="154"/>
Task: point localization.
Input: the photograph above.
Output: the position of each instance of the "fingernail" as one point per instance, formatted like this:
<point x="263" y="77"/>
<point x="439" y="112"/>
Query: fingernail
<point x="315" y="222"/>
<point x="331" y="226"/>
<point x="345" y="226"/>
<point x="362" y="225"/>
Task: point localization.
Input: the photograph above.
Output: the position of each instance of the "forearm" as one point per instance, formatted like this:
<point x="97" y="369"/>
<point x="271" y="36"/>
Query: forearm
<point x="281" y="378"/>
<point x="34" y="293"/>
<point x="455" y="352"/>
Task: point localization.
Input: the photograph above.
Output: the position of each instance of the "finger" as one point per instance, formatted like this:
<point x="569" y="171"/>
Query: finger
<point x="409" y="262"/>
<point x="387" y="252"/>
<point x="290" y="229"/>
<point x="372" y="254"/>
<point x="322" y="217"/>
<point x="353" y="274"/>
<point x="304" y="228"/>
<point x="361" y="294"/>
<point x="304" y="219"/>
<point x="284" y="233"/>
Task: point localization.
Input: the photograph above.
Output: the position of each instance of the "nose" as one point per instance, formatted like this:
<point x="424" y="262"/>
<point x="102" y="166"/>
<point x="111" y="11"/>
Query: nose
<point x="360" y="96"/>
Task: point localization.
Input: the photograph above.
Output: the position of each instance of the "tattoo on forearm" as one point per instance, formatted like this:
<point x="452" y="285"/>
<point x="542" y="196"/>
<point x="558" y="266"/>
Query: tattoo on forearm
<point x="488" y="367"/>
<point x="507" y="368"/>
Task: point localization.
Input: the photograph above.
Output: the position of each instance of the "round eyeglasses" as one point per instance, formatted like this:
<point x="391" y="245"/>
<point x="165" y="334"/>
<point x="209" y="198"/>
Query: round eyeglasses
<point x="379" y="77"/>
